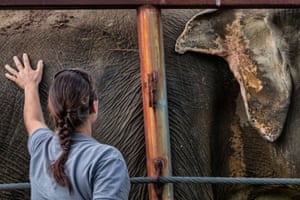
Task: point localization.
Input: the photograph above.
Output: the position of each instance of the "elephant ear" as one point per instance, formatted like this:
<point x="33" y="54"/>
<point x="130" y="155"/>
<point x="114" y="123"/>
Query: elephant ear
<point x="249" y="45"/>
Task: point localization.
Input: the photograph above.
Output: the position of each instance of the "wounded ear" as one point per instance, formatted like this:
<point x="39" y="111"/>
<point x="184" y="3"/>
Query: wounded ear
<point x="245" y="40"/>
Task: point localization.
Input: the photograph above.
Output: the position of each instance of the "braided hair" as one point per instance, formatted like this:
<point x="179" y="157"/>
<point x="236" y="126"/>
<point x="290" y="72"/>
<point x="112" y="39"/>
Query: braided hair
<point x="71" y="98"/>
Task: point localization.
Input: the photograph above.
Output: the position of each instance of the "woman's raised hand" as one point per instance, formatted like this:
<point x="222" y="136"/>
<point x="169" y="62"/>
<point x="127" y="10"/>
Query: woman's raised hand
<point x="24" y="75"/>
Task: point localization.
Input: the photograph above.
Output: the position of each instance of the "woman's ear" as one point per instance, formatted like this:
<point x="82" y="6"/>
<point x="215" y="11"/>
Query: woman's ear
<point x="94" y="108"/>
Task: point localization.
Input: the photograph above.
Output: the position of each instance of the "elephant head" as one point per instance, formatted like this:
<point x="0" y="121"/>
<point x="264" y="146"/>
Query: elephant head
<point x="253" y="46"/>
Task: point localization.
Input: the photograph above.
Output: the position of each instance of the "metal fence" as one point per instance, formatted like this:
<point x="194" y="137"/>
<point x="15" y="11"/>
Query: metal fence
<point x="180" y="179"/>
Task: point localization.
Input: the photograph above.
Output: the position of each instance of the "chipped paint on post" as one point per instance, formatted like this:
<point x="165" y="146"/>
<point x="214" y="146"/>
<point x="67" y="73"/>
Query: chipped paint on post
<point x="156" y="123"/>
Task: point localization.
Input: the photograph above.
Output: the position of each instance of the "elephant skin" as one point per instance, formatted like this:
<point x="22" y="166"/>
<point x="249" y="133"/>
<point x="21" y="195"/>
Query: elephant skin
<point x="105" y="42"/>
<point x="249" y="41"/>
<point x="261" y="48"/>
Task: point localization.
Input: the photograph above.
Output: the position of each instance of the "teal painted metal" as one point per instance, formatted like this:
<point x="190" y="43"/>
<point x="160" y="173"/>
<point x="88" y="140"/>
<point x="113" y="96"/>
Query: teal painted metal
<point x="154" y="90"/>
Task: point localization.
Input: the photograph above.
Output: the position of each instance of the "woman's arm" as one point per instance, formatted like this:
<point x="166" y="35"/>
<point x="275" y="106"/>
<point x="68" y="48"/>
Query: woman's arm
<point x="28" y="79"/>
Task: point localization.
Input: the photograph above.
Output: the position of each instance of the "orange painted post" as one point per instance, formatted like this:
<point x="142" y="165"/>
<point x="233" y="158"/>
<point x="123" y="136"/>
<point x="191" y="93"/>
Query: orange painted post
<point x="154" y="101"/>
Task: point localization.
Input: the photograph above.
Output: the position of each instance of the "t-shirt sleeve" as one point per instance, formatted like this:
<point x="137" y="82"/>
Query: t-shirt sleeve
<point x="111" y="180"/>
<point x="37" y="137"/>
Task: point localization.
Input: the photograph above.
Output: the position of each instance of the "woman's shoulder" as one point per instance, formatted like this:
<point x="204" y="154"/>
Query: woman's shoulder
<point x="95" y="149"/>
<point x="38" y="136"/>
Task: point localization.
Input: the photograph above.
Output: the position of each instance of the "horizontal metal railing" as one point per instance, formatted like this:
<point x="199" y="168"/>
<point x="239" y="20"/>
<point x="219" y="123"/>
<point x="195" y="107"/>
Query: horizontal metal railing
<point x="125" y="4"/>
<point x="181" y="179"/>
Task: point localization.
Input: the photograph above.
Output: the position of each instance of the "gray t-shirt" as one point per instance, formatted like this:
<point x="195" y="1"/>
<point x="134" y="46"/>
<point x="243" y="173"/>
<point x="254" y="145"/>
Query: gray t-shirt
<point x="95" y="170"/>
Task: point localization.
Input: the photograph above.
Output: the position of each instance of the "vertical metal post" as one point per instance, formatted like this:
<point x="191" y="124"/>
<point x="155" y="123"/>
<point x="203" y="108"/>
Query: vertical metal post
<point x="154" y="100"/>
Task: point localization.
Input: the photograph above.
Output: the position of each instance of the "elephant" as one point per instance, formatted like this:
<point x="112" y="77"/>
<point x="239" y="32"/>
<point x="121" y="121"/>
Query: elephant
<point x="105" y="42"/>
<point x="214" y="130"/>
<point x="261" y="48"/>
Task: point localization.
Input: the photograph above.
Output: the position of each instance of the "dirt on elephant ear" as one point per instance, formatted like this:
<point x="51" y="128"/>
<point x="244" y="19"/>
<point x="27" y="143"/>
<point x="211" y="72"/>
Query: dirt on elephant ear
<point x="244" y="39"/>
<point x="257" y="154"/>
<point x="241" y="65"/>
<point x="237" y="166"/>
<point x="257" y="89"/>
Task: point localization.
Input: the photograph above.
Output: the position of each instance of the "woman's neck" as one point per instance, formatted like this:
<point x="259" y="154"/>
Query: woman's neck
<point x="86" y="131"/>
<point x="85" y="128"/>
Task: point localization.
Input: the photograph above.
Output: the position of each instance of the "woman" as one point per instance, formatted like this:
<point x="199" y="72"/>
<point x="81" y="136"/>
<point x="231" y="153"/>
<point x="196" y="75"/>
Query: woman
<point x="67" y="163"/>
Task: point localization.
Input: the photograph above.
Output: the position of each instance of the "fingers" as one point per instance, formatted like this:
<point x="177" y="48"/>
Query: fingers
<point x="10" y="77"/>
<point x="39" y="68"/>
<point x="26" y="61"/>
<point x="18" y="63"/>
<point x="14" y="73"/>
<point x="11" y="70"/>
<point x="40" y="65"/>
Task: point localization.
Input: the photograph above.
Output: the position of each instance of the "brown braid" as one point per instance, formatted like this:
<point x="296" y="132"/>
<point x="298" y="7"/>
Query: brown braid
<point x="64" y="134"/>
<point x="71" y="97"/>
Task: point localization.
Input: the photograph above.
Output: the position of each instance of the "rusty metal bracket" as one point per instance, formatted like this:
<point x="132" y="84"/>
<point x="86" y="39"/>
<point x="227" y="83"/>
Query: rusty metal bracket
<point x="152" y="88"/>
<point x="158" y="186"/>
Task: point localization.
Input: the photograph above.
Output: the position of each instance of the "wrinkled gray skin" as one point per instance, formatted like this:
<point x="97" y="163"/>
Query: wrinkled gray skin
<point x="201" y="91"/>
<point x="251" y="42"/>
<point x="261" y="48"/>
